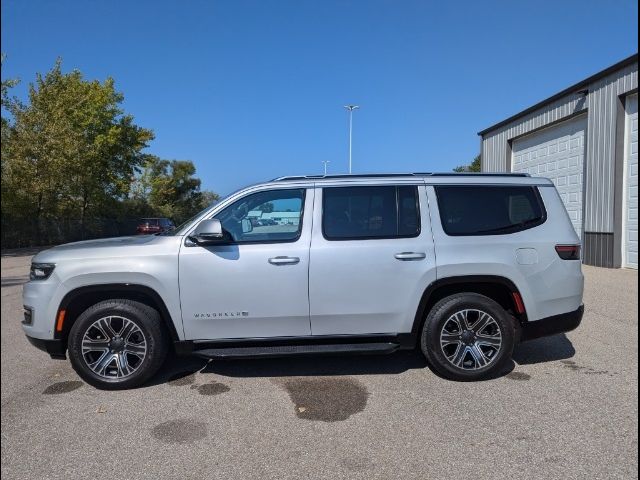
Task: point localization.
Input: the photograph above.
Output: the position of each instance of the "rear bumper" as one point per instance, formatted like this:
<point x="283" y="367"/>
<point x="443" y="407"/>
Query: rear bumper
<point x="552" y="325"/>
<point x="55" y="348"/>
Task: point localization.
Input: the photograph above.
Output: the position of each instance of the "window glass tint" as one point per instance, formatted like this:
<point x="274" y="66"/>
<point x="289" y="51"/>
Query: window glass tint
<point x="270" y="216"/>
<point x="370" y="212"/>
<point x="409" y="221"/>
<point x="489" y="210"/>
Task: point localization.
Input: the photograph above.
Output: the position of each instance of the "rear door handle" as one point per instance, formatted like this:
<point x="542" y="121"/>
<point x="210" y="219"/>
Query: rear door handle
<point x="406" y="256"/>
<point x="284" y="260"/>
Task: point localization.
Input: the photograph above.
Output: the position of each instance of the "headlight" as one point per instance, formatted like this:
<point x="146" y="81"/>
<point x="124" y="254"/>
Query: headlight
<point x="41" y="271"/>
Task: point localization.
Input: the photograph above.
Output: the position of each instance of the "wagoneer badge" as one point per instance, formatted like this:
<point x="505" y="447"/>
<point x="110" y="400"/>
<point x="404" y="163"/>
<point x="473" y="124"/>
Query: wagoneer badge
<point x="220" y="314"/>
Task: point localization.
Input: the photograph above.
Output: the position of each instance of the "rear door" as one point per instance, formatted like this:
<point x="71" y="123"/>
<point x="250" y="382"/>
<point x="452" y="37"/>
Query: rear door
<point x="372" y="256"/>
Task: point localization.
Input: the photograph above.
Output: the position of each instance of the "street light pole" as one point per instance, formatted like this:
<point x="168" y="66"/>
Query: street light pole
<point x="351" y="108"/>
<point x="325" y="162"/>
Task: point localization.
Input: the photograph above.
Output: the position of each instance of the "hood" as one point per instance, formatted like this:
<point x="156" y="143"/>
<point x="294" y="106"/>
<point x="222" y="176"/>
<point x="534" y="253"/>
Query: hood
<point x="106" y="247"/>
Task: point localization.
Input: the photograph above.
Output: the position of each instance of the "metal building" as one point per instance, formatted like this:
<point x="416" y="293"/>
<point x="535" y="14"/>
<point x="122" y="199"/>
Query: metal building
<point x="585" y="139"/>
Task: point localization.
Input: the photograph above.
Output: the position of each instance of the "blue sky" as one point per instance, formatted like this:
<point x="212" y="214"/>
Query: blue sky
<point x="250" y="90"/>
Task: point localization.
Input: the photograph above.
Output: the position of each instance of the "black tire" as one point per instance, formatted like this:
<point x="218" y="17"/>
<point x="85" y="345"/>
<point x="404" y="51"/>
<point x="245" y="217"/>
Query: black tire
<point x="440" y="315"/>
<point x="145" y="318"/>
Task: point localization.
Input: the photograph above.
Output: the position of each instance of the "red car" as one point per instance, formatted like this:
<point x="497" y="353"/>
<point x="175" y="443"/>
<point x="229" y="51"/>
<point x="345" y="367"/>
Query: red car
<point x="154" y="225"/>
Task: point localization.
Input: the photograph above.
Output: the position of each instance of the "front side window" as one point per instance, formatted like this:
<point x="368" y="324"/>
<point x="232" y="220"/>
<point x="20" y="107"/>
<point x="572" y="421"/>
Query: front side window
<point x="269" y="216"/>
<point x="489" y="210"/>
<point x="350" y="213"/>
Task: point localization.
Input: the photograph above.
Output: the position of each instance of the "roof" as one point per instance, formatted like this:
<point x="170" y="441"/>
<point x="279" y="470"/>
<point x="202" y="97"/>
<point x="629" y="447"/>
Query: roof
<point x="572" y="89"/>
<point x="451" y="178"/>
<point x="396" y="175"/>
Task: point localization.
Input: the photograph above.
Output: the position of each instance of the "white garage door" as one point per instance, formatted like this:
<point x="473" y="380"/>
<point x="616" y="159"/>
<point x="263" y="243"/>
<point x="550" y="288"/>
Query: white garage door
<point x="557" y="153"/>
<point x="631" y="185"/>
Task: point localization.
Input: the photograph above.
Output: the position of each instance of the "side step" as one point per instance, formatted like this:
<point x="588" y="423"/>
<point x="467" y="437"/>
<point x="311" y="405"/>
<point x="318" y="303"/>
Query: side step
<point x="285" y="350"/>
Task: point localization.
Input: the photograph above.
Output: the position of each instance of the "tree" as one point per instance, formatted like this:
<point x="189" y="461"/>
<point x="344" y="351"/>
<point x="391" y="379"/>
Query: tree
<point x="207" y="198"/>
<point x="171" y="189"/>
<point x="5" y="129"/>
<point x="266" y="207"/>
<point x="475" y="166"/>
<point x="72" y="149"/>
<point x="73" y="162"/>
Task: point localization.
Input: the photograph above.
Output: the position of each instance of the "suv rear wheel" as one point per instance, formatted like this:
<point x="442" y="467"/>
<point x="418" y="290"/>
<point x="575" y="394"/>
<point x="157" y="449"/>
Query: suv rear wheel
<point x="467" y="337"/>
<point x="117" y="344"/>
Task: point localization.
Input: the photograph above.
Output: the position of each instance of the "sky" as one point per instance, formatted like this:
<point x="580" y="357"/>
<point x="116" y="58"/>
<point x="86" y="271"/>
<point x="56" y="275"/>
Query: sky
<point x="252" y="90"/>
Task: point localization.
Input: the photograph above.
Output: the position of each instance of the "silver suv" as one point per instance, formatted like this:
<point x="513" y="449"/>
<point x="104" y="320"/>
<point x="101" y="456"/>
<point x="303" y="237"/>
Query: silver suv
<point x="462" y="265"/>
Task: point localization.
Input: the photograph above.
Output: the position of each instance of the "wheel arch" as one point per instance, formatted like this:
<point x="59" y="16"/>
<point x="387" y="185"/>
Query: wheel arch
<point x="499" y="289"/>
<point x="79" y="299"/>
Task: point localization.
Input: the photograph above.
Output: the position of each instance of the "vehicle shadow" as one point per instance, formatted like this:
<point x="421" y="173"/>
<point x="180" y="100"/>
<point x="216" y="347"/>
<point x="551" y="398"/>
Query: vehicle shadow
<point x="394" y="363"/>
<point x="178" y="370"/>
<point x="541" y="350"/>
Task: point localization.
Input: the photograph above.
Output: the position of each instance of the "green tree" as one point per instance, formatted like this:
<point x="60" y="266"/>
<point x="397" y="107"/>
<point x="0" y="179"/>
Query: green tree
<point x="72" y="149"/>
<point x="266" y="207"/>
<point x="171" y="189"/>
<point x="7" y="84"/>
<point x="474" y="166"/>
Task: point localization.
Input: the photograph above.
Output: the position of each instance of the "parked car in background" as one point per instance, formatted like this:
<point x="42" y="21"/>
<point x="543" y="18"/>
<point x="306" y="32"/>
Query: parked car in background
<point x="461" y="266"/>
<point x="154" y="225"/>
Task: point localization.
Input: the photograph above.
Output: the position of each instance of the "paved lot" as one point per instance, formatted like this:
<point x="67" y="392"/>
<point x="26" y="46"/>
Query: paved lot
<point x="568" y="409"/>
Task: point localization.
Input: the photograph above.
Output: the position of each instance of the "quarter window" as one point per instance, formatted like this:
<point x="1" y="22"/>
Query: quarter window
<point x="489" y="210"/>
<point x="269" y="216"/>
<point x="350" y="213"/>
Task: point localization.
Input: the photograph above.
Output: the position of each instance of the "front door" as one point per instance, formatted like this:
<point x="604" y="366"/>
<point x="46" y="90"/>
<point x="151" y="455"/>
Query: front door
<point x="256" y="284"/>
<point x="372" y="257"/>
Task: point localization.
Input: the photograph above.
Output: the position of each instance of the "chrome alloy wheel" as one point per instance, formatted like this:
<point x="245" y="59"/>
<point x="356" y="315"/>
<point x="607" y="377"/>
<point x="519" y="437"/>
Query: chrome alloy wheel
<point x="470" y="339"/>
<point x="114" y="347"/>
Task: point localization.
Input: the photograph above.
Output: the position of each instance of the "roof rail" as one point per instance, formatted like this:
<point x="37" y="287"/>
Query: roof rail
<point x="347" y="175"/>
<point x="392" y="175"/>
<point x="475" y="174"/>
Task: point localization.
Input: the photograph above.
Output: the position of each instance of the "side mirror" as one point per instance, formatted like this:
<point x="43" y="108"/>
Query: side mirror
<point x="208" y="231"/>
<point x="247" y="225"/>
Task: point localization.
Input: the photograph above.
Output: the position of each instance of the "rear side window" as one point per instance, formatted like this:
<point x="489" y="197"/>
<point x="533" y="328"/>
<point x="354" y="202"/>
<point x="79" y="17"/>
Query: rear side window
<point x="350" y="213"/>
<point x="489" y="210"/>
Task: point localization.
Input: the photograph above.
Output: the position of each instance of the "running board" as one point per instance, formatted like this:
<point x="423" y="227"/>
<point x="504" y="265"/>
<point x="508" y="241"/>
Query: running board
<point x="285" y="350"/>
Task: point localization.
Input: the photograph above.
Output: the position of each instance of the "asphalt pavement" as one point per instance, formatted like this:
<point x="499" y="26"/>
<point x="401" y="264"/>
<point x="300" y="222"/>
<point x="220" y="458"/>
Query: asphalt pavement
<point x="567" y="409"/>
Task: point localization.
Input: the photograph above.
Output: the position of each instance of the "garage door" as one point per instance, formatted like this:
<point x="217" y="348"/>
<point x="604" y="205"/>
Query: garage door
<point x="631" y="185"/>
<point x="557" y="153"/>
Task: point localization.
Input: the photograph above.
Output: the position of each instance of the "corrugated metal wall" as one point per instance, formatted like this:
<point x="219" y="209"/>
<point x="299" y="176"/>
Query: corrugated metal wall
<point x="601" y="147"/>
<point x="601" y="103"/>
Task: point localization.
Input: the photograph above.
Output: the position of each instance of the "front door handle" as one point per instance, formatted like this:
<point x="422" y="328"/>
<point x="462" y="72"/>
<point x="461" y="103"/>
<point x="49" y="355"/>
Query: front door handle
<point x="284" y="260"/>
<point x="405" y="256"/>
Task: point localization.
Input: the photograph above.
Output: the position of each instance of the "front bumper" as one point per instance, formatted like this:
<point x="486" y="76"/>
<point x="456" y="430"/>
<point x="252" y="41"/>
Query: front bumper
<point x="552" y="325"/>
<point x="55" y="348"/>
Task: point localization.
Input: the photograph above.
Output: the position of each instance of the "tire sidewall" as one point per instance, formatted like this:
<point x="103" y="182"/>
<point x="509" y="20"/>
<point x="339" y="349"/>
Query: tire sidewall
<point x="139" y="314"/>
<point x="442" y="311"/>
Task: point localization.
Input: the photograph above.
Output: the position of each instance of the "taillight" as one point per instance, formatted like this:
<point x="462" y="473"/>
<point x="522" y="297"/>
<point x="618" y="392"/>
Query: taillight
<point x="568" y="252"/>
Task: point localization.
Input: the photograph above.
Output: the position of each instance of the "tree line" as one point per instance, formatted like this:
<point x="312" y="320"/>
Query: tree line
<point x="475" y="166"/>
<point x="75" y="165"/>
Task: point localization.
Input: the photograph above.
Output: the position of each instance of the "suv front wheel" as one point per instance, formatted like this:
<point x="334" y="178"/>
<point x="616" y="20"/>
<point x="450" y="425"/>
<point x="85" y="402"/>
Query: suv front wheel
<point x="467" y="337"/>
<point x="117" y="344"/>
